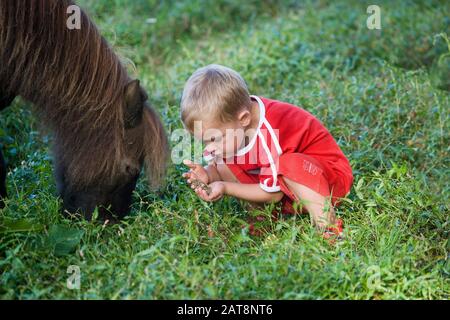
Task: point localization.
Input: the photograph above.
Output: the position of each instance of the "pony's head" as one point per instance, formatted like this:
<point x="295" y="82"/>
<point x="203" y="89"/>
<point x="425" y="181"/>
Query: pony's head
<point x="104" y="131"/>
<point x="105" y="178"/>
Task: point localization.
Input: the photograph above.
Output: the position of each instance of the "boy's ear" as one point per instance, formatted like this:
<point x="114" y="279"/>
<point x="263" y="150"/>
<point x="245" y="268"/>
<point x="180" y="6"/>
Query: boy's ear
<point x="245" y="118"/>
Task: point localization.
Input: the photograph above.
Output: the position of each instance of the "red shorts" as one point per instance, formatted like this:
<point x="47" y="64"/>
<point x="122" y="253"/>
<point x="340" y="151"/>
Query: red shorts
<point x="304" y="170"/>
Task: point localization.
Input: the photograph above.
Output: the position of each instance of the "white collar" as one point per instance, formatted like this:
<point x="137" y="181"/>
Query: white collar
<point x="262" y="116"/>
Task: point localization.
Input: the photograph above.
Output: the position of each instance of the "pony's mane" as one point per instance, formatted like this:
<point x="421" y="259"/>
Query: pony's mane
<point x="74" y="79"/>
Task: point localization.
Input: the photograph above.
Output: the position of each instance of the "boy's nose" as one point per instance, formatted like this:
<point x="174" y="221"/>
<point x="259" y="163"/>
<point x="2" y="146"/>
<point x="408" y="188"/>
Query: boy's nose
<point x="209" y="155"/>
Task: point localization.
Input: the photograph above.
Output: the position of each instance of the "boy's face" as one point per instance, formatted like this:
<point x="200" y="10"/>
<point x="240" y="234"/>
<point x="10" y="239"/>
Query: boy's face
<point x="223" y="140"/>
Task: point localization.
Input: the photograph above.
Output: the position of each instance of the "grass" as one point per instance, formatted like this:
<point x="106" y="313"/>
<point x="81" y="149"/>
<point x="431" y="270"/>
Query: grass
<point x="383" y="95"/>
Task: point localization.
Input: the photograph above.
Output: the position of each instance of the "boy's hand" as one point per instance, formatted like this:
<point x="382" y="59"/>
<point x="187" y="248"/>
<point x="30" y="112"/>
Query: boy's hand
<point x="196" y="172"/>
<point x="216" y="192"/>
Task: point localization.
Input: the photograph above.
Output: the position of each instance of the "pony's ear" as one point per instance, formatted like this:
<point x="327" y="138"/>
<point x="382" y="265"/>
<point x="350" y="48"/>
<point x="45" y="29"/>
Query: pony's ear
<point x="134" y="104"/>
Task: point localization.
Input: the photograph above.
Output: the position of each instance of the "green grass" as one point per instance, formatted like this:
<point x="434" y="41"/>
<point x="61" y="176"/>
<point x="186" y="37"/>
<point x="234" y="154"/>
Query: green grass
<point x="383" y="95"/>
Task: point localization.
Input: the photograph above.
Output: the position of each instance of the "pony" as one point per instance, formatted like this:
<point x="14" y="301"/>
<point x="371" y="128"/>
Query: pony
<point x="104" y="131"/>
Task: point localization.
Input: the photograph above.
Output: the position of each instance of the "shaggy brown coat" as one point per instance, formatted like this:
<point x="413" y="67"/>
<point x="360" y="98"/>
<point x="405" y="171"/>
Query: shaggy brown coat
<point x="76" y="83"/>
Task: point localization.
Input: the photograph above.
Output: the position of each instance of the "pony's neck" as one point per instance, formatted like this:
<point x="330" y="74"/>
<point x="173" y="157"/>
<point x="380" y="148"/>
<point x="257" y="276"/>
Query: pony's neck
<point x="73" y="76"/>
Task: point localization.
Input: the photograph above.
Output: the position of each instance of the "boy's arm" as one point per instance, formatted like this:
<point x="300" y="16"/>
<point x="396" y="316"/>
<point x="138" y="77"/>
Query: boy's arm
<point x="213" y="174"/>
<point x="251" y="192"/>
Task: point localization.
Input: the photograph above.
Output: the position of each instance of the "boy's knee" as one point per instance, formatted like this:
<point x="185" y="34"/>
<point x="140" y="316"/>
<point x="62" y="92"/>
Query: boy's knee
<point x="278" y="197"/>
<point x="302" y="191"/>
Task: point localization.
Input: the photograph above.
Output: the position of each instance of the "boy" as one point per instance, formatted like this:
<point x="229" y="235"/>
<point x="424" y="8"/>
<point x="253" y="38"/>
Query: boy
<point x="262" y="150"/>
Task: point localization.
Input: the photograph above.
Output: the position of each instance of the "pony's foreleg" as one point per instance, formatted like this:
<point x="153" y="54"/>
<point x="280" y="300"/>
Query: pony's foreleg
<point x="5" y="101"/>
<point x="3" y="193"/>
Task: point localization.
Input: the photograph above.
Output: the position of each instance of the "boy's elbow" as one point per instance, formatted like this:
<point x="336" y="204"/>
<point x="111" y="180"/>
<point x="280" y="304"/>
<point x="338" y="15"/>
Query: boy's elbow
<point x="276" y="197"/>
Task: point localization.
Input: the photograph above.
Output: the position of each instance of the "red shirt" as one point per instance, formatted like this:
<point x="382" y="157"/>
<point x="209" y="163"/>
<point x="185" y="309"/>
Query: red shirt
<point x="284" y="128"/>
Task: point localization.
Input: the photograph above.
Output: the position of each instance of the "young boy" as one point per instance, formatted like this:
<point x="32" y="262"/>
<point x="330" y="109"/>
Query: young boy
<point x="262" y="150"/>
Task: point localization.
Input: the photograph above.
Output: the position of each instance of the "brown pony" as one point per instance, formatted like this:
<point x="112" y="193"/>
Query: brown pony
<point x="103" y="129"/>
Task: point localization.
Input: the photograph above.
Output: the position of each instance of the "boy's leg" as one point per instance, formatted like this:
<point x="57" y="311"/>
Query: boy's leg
<point x="227" y="175"/>
<point x="319" y="207"/>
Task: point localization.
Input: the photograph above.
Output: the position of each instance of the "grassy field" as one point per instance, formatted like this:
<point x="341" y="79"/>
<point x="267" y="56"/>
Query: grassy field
<point x="384" y="95"/>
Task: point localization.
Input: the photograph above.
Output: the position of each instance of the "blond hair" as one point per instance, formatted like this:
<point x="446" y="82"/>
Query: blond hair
<point x="215" y="92"/>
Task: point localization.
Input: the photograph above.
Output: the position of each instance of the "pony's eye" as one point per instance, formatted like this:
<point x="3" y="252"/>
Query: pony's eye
<point x="213" y="139"/>
<point x="132" y="170"/>
<point x="129" y="170"/>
